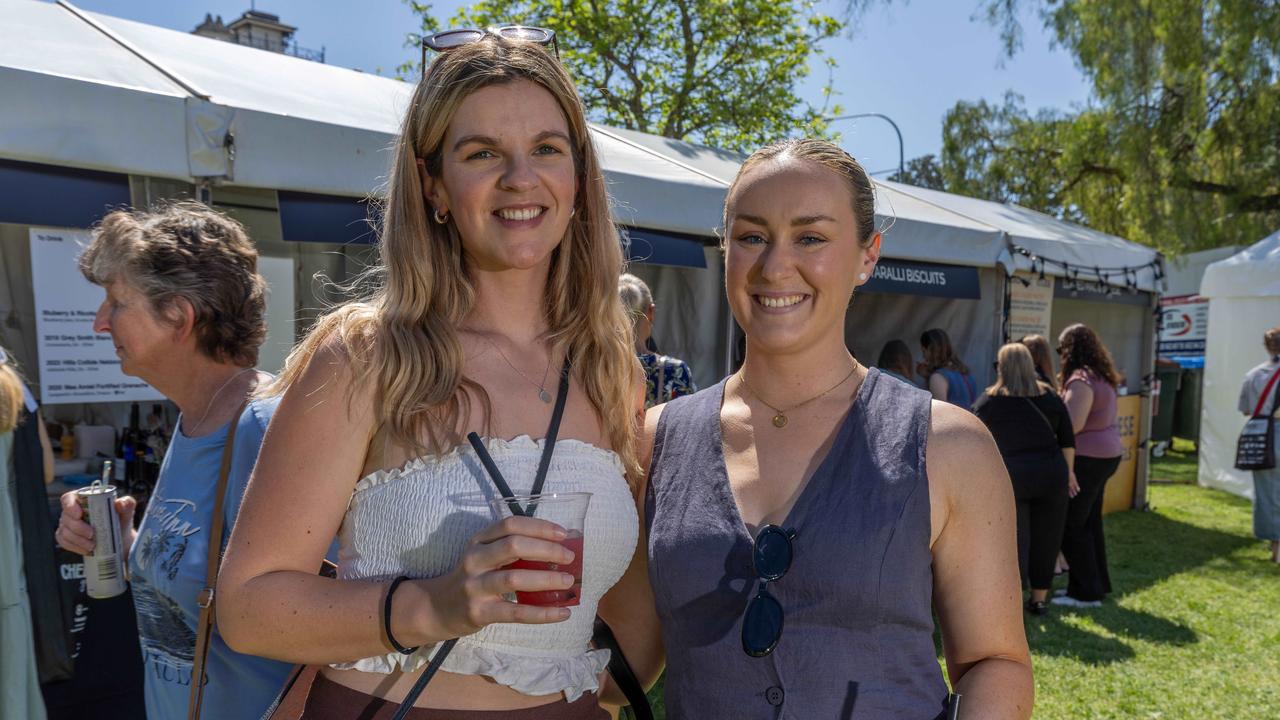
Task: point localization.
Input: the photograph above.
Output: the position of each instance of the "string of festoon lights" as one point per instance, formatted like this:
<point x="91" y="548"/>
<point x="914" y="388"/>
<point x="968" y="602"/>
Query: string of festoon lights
<point x="1075" y="275"/>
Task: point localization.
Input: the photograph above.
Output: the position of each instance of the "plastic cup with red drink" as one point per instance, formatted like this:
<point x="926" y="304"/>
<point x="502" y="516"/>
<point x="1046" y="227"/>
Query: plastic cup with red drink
<point x="569" y="511"/>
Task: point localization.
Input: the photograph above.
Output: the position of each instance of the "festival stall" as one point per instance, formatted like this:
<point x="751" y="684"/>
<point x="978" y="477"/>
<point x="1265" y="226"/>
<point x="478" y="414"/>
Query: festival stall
<point x="104" y="112"/>
<point x="1244" y="301"/>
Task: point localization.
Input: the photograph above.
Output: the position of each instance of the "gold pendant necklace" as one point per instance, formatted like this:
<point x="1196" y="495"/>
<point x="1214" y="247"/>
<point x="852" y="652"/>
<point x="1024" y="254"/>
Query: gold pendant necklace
<point x="780" y="415"/>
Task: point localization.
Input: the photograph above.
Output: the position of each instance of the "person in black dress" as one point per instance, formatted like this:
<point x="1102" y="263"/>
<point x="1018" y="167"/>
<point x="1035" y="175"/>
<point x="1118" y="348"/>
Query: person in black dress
<point x="1033" y="432"/>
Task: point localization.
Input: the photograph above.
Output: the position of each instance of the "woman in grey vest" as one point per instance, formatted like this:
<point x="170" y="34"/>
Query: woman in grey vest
<point x="799" y="534"/>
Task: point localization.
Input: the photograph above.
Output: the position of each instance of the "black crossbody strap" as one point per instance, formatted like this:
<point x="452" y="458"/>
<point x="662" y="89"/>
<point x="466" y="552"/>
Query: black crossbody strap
<point x="548" y="447"/>
<point x="553" y="430"/>
<point x="436" y="661"/>
<point x="620" y="670"/>
<point x="492" y="468"/>
<point x="1043" y="417"/>
<point x="602" y="637"/>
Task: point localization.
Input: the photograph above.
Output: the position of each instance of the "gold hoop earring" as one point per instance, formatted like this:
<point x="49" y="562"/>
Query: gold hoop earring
<point x="441" y="219"/>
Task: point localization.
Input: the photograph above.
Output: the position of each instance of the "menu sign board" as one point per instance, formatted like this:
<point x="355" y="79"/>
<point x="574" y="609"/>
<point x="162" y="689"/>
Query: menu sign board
<point x="1030" y="305"/>
<point x="77" y="365"/>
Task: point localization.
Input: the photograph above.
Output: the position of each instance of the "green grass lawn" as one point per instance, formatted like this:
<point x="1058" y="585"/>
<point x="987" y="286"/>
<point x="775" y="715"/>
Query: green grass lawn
<point x="1179" y="464"/>
<point x="1192" y="630"/>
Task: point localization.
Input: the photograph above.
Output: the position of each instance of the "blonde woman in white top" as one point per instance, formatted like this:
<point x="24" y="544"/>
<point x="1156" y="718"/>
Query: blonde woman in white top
<point x="500" y="264"/>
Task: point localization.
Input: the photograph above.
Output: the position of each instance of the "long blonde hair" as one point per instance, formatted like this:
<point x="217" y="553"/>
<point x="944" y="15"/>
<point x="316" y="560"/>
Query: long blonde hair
<point x="1016" y="373"/>
<point x="1042" y="356"/>
<point x="403" y="336"/>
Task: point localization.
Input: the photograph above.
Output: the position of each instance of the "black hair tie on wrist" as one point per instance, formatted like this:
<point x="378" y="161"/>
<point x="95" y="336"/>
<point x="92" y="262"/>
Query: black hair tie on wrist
<point x="386" y="618"/>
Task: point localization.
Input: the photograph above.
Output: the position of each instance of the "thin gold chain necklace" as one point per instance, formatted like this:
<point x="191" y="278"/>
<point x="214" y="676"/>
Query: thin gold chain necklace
<point x="780" y="417"/>
<point x="543" y="395"/>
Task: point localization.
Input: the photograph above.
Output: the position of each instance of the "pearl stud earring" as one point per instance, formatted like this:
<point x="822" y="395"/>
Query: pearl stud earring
<point x="862" y="276"/>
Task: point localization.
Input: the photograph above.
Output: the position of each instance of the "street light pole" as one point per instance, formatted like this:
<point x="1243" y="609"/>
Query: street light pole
<point x="902" y="165"/>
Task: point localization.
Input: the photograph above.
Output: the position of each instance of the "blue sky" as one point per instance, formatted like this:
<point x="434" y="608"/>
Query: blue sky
<point x="911" y="61"/>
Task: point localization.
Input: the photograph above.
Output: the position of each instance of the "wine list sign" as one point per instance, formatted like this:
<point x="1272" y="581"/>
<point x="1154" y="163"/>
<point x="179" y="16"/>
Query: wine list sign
<point x="77" y="365"/>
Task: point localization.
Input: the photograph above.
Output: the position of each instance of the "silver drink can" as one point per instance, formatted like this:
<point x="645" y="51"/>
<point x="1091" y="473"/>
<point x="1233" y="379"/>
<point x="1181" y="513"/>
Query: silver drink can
<point x="104" y="568"/>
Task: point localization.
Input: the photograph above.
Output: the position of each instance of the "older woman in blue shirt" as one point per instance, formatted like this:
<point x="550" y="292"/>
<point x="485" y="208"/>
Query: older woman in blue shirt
<point x="185" y="309"/>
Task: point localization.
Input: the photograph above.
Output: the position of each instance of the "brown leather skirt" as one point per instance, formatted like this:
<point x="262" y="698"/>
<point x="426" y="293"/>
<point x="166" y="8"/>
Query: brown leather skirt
<point x="330" y="701"/>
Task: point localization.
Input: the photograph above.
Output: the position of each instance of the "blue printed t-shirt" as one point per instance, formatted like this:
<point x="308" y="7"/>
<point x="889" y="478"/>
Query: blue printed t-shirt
<point x="167" y="567"/>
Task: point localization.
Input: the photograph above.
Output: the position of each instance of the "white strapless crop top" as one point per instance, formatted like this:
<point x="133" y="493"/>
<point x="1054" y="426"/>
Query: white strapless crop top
<point x="416" y="520"/>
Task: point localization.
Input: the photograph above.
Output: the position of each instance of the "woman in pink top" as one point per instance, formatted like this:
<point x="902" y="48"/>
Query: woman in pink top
<point x="1089" y="381"/>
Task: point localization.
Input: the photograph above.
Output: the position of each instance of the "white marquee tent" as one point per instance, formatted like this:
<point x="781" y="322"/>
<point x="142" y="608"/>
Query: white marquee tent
<point x="289" y="146"/>
<point x="99" y="92"/>
<point x="1244" y="301"/>
<point x="938" y="228"/>
<point x="975" y="244"/>
<point x="170" y="105"/>
<point x="102" y="111"/>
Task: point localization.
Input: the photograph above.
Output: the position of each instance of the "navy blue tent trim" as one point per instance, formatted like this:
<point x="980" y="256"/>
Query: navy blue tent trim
<point x="36" y="194"/>
<point x="310" y="217"/>
<point x="906" y="277"/>
<point x="664" y="248"/>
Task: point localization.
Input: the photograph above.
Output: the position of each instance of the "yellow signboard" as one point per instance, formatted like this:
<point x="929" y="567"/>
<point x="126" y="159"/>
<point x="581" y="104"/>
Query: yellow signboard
<point x="1119" y="493"/>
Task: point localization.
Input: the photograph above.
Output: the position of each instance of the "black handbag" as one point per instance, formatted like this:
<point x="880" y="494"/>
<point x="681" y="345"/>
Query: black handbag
<point x="1256" y="448"/>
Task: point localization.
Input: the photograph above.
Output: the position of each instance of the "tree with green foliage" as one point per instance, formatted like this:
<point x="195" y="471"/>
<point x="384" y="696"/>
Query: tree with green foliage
<point x="719" y="72"/>
<point x="1179" y="148"/>
<point x="924" y="171"/>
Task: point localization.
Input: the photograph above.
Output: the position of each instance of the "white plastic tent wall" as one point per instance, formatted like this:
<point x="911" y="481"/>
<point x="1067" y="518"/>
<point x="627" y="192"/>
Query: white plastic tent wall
<point x="153" y="94"/>
<point x="1244" y="301"/>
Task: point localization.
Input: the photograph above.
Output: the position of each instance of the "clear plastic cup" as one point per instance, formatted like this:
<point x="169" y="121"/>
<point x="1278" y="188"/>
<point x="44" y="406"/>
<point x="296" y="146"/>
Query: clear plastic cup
<point x="569" y="511"/>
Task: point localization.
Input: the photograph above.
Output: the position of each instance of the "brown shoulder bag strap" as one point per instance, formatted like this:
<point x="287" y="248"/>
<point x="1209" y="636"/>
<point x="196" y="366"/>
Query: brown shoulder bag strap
<point x="204" y="626"/>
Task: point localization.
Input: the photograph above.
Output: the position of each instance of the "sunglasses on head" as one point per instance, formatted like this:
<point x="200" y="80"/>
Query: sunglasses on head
<point x="449" y="39"/>
<point x="762" y="623"/>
